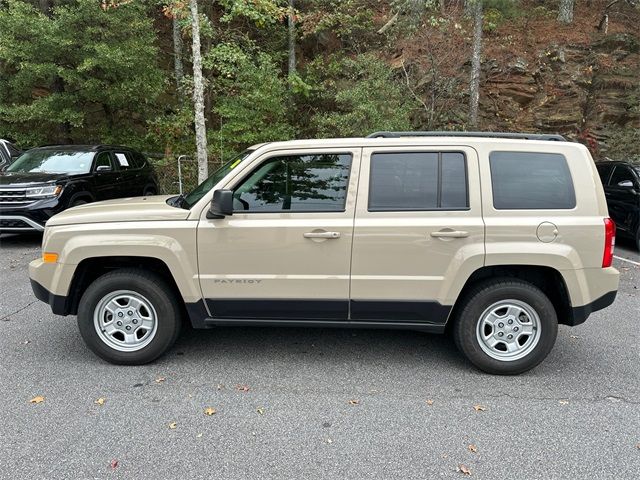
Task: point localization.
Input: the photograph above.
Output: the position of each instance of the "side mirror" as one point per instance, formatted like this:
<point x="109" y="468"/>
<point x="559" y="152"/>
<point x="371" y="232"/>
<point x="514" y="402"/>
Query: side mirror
<point x="103" y="168"/>
<point x="221" y="205"/>
<point x="626" y="184"/>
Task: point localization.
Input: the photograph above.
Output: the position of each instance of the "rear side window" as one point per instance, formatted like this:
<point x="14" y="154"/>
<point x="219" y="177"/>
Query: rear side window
<point x="530" y="180"/>
<point x="418" y="181"/>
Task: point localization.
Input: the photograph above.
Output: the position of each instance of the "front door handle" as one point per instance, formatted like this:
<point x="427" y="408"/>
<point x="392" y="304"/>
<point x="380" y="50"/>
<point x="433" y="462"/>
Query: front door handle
<point x="450" y="234"/>
<point x="330" y="235"/>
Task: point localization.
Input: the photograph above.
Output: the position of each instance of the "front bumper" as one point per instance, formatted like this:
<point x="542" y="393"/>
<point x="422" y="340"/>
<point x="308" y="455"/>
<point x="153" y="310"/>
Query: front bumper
<point x="29" y="218"/>
<point x="58" y="303"/>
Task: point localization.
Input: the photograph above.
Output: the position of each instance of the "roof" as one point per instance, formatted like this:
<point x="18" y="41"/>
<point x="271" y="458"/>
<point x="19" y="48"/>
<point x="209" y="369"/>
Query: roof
<point x="81" y="148"/>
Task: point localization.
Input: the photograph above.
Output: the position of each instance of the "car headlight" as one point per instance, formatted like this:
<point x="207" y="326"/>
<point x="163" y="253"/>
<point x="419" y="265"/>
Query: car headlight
<point x="42" y="192"/>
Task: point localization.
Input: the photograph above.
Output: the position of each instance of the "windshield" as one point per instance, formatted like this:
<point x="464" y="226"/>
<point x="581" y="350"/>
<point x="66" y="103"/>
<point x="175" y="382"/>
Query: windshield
<point x="192" y="198"/>
<point x="52" y="161"/>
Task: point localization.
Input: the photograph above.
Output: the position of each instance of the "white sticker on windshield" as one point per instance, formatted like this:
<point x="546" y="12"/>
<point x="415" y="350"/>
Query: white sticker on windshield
<point x="122" y="159"/>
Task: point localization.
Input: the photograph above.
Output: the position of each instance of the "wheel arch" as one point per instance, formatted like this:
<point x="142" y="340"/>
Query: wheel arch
<point x="547" y="279"/>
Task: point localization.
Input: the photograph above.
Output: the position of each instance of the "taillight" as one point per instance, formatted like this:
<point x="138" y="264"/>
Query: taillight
<point x="609" y="242"/>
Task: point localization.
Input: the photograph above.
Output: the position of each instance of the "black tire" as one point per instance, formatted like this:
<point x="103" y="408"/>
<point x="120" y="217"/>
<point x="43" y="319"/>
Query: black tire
<point x="163" y="300"/>
<point x="488" y="293"/>
<point x="149" y="191"/>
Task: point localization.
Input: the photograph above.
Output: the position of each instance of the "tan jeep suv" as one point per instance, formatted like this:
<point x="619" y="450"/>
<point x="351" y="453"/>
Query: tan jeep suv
<point x="497" y="238"/>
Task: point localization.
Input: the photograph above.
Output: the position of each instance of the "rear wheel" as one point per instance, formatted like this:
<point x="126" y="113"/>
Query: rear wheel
<point x="129" y="317"/>
<point x="506" y="326"/>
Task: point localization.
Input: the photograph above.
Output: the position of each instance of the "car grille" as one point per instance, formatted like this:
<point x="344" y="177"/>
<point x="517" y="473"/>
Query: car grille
<point x="14" y="223"/>
<point x="14" y="198"/>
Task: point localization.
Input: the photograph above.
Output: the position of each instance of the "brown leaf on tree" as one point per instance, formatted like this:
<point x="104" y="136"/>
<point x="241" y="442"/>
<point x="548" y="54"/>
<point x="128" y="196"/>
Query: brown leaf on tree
<point x="429" y="402"/>
<point x="173" y="425"/>
<point x="354" y="402"/>
<point x="100" y="401"/>
<point x="463" y="469"/>
<point x="479" y="408"/>
<point x="36" y="400"/>
<point x="242" y="388"/>
<point x="472" y="448"/>
<point x="210" y="411"/>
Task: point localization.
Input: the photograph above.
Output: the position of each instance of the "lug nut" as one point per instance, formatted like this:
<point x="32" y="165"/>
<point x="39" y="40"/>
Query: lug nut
<point x="508" y="336"/>
<point x="500" y="334"/>
<point x="515" y="329"/>
<point x="129" y="312"/>
<point x="119" y="323"/>
<point x="120" y="314"/>
<point x="128" y="327"/>
<point x="509" y="322"/>
<point x="135" y="322"/>
<point x="501" y="324"/>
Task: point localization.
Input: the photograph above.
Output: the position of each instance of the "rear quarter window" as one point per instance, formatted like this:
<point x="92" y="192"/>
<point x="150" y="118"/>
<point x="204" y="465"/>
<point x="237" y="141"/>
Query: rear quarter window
<point x="531" y="181"/>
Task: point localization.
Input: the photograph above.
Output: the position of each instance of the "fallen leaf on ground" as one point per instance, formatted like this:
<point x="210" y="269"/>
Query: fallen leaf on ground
<point x="260" y="410"/>
<point x="100" y="401"/>
<point x="160" y="379"/>
<point x="38" y="399"/>
<point x="220" y="386"/>
<point x="199" y="435"/>
<point x="479" y="408"/>
<point x="114" y="463"/>
<point x="463" y="469"/>
<point x="574" y="336"/>
<point x="429" y="402"/>
<point x="173" y="425"/>
<point x="210" y="411"/>
<point x="242" y="388"/>
<point x="472" y="448"/>
<point x="26" y="342"/>
<point x="354" y="402"/>
<point x="638" y="446"/>
<point x="563" y="402"/>
<point x="329" y="440"/>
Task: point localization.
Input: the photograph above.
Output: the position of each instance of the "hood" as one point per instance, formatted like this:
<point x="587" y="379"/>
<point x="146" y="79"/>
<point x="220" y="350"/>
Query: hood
<point x="19" y="179"/>
<point x="135" y="209"/>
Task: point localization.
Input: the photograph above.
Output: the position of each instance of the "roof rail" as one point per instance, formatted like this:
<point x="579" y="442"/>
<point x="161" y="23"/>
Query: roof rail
<point x="521" y="136"/>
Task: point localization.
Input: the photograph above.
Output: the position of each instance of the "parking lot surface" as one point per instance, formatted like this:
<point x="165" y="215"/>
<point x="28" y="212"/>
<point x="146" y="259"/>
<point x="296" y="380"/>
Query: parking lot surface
<point x="313" y="403"/>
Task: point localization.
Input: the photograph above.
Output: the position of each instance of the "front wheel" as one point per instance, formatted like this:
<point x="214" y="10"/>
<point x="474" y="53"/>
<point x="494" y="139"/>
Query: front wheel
<point x="506" y="326"/>
<point x="129" y="317"/>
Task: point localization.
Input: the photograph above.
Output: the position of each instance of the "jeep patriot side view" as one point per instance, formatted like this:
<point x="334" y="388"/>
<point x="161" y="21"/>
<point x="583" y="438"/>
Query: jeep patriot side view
<point x="496" y="237"/>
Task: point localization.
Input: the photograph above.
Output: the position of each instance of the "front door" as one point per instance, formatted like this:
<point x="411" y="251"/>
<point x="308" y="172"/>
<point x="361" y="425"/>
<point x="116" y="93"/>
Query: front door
<point x="106" y="180"/>
<point x="418" y="231"/>
<point x="623" y="199"/>
<point x="285" y="252"/>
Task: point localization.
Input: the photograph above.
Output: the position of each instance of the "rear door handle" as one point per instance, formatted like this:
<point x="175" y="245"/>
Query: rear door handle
<point x="450" y="234"/>
<point x="330" y="235"/>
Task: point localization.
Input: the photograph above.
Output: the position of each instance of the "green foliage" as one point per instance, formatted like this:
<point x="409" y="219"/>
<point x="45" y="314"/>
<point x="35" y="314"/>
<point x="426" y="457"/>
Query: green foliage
<point x="260" y="12"/>
<point x="364" y="96"/>
<point x="624" y="144"/>
<point x="251" y="99"/>
<point x="347" y="19"/>
<point x="82" y="73"/>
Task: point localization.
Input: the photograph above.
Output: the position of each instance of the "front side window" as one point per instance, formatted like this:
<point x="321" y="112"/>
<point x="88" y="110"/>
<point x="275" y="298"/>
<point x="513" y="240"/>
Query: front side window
<point x="296" y="183"/>
<point x="622" y="174"/>
<point x="531" y="180"/>
<point x="53" y="161"/>
<point x="103" y="159"/>
<point x="418" y="181"/>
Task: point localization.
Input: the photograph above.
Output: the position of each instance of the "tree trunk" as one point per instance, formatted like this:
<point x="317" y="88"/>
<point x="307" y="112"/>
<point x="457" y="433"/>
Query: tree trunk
<point x="474" y="90"/>
<point x="565" y="14"/>
<point x="198" y="95"/>
<point x="292" y="39"/>
<point x="178" y="68"/>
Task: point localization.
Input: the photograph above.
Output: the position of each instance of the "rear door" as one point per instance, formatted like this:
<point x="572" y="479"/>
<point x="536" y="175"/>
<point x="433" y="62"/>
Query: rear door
<point x="130" y="182"/>
<point x="418" y="230"/>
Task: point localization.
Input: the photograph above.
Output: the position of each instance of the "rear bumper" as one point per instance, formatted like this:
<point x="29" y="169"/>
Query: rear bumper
<point x="580" y="314"/>
<point x="58" y="303"/>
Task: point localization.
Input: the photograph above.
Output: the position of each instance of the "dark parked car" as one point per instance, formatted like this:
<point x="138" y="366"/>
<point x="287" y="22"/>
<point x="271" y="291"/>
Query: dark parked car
<point x="44" y="181"/>
<point x="8" y="153"/>
<point x="621" y="182"/>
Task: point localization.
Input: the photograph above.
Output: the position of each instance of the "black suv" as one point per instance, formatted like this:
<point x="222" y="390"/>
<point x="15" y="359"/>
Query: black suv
<point x="44" y="181"/>
<point x="621" y="182"/>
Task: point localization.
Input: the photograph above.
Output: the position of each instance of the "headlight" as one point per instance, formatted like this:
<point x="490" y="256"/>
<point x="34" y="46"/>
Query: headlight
<point x="42" y="192"/>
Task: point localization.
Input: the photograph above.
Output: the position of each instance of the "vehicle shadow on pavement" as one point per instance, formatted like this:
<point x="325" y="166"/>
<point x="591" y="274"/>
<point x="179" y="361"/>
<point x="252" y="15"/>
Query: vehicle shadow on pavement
<point x="317" y="345"/>
<point x="20" y="240"/>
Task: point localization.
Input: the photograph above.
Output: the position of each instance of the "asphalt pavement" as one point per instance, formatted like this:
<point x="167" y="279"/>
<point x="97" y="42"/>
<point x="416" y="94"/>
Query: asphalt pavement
<point x="313" y="403"/>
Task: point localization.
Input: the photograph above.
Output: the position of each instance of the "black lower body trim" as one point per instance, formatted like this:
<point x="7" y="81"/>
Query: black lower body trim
<point x="424" y="316"/>
<point x="58" y="303"/>
<point x="580" y="314"/>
